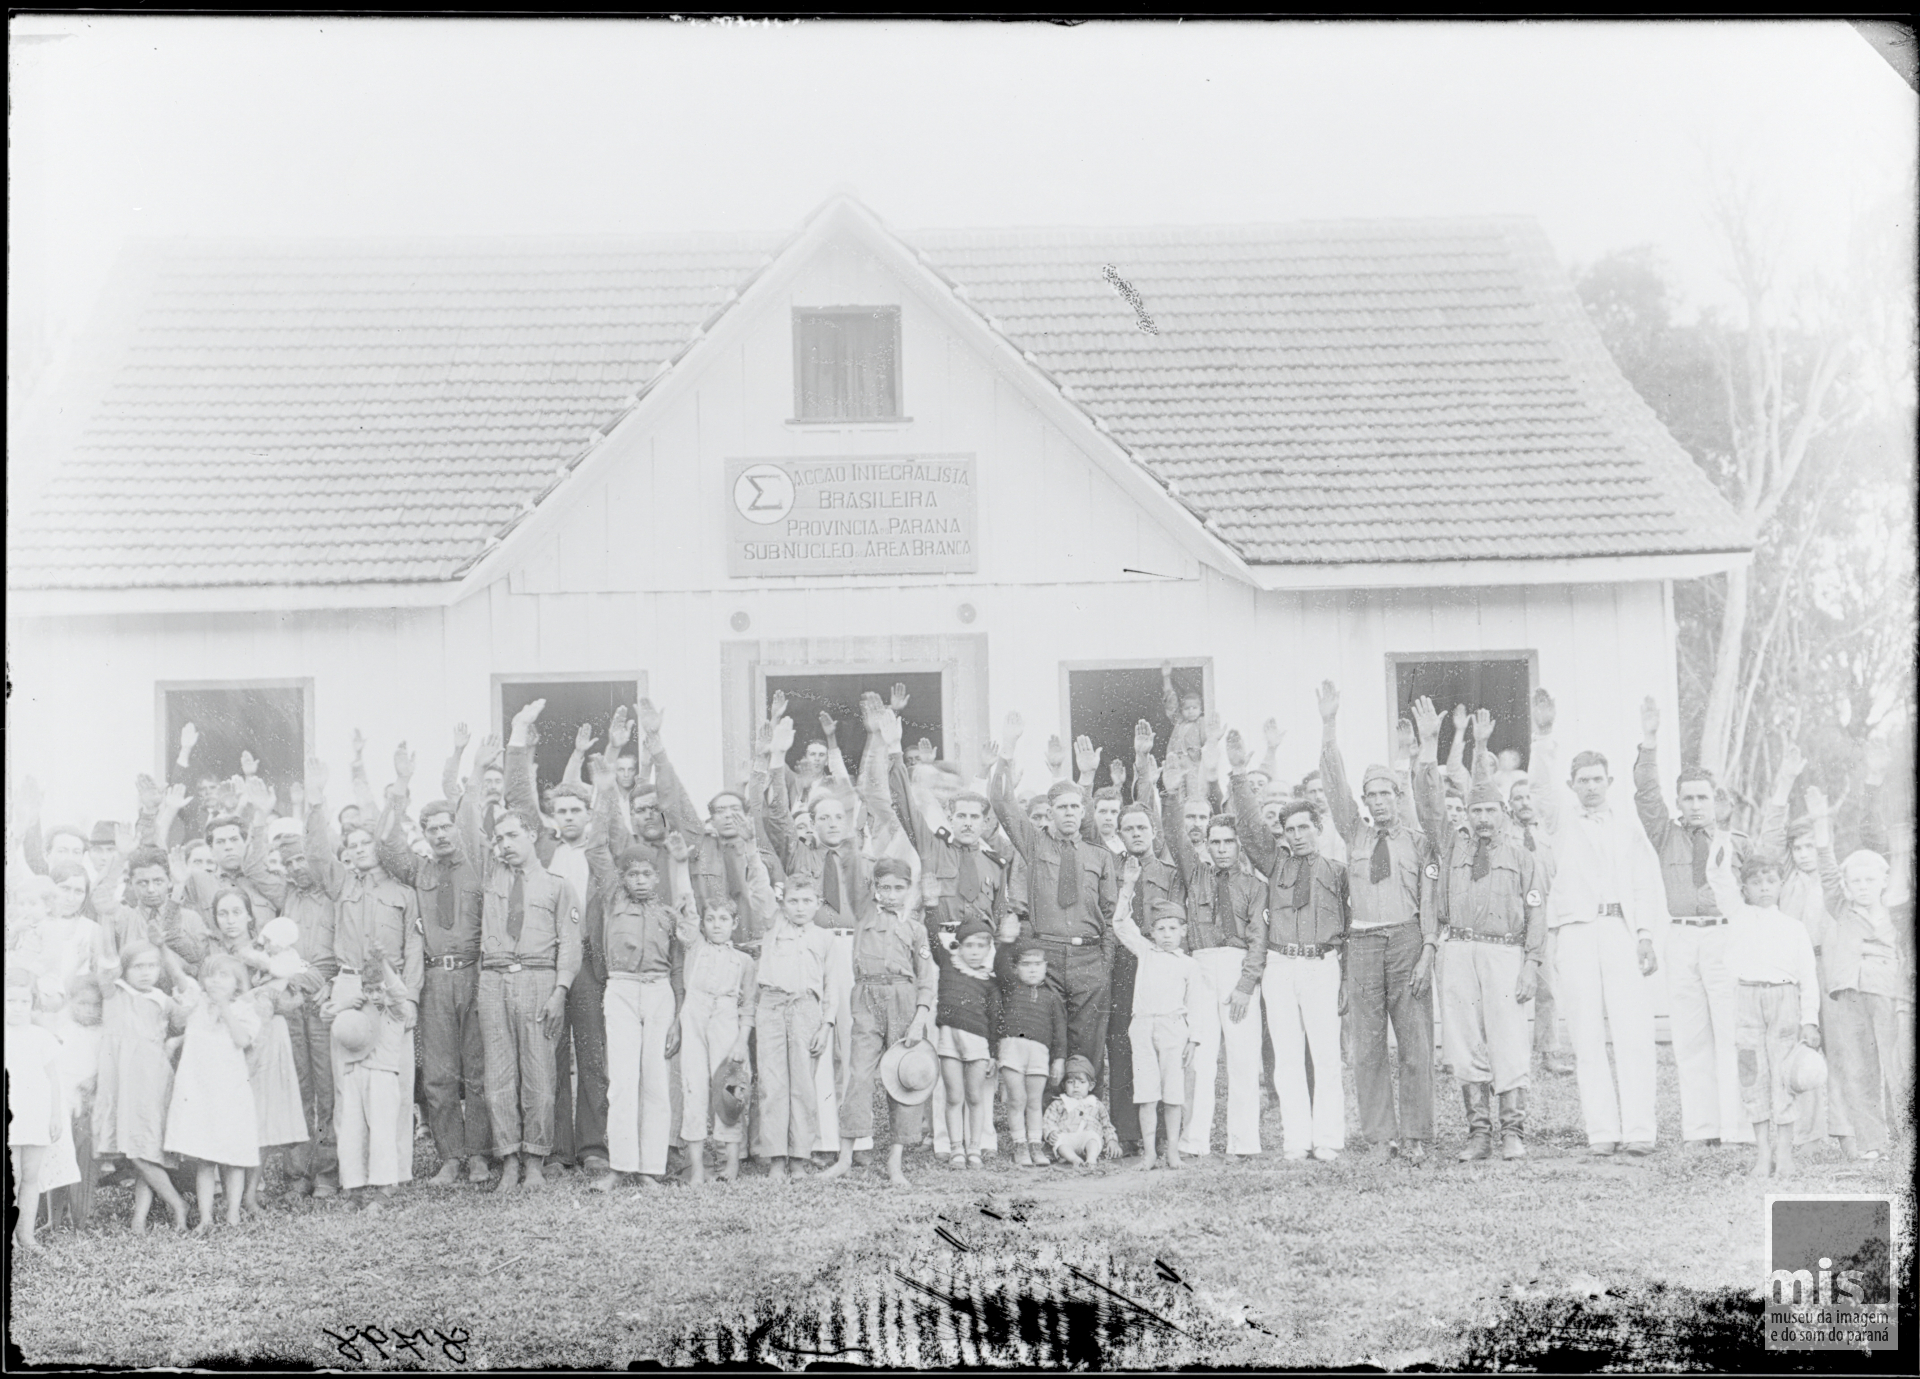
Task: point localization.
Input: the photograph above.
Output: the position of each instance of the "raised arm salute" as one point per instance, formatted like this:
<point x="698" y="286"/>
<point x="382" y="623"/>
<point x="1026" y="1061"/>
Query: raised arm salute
<point x="448" y="886"/>
<point x="1072" y="888"/>
<point x="529" y="957"/>
<point x="1699" y="966"/>
<point x="1393" y="930"/>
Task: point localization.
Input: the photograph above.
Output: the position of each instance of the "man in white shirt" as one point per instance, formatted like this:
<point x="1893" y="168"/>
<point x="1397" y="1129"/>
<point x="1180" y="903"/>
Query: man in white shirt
<point x="1604" y="902"/>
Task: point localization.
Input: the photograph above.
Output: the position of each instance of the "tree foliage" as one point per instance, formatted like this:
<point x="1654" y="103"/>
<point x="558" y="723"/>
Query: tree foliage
<point x="1823" y="645"/>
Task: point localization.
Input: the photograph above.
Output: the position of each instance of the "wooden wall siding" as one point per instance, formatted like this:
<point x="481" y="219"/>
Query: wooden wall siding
<point x="652" y="519"/>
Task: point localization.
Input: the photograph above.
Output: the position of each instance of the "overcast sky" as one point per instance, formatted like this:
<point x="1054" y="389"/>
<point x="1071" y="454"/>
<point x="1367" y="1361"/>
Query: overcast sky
<point x="1605" y="132"/>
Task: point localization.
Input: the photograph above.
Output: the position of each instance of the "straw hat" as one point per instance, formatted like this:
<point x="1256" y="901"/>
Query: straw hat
<point x="909" y="1072"/>
<point x="355" y="1032"/>
<point x="728" y="1092"/>
<point x="1806" y="1069"/>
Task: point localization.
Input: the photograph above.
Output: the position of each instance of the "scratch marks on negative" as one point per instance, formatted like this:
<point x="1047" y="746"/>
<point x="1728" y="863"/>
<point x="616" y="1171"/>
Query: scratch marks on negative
<point x="1132" y="299"/>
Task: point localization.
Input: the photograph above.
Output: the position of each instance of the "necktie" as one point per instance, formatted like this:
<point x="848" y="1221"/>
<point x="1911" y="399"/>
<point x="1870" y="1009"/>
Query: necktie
<point x="1482" y="857"/>
<point x="736" y="883"/>
<point x="1303" y="884"/>
<point x="967" y="874"/>
<point x="1068" y="895"/>
<point x="1382" y="865"/>
<point x="1702" y="841"/>
<point x="517" y="905"/>
<point x="443" y="902"/>
<point x="1223" y="900"/>
<point x="830" y="880"/>
<point x="1529" y="838"/>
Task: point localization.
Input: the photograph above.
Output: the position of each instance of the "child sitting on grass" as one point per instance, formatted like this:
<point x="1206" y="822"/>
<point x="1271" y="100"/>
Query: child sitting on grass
<point x="1778" y="1002"/>
<point x="211" y="1115"/>
<point x="33" y="1102"/>
<point x="135" y="1082"/>
<point x="1169" y="991"/>
<point x="1077" y="1125"/>
<point x="1033" y="1044"/>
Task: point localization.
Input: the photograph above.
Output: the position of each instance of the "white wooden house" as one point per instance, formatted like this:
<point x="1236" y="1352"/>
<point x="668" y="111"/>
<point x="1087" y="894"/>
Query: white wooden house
<point x="296" y="489"/>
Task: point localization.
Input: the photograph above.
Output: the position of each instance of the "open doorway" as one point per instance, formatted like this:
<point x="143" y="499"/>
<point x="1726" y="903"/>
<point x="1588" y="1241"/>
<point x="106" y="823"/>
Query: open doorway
<point x="838" y="692"/>
<point x="570" y="703"/>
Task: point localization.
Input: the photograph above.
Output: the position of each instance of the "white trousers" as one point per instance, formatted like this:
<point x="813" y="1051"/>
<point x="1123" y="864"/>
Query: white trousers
<point x="709" y="1026"/>
<point x="399" y="1129"/>
<point x="369" y="1113"/>
<point x="1302" y="999"/>
<point x="1598" y="982"/>
<point x="1704" y="1000"/>
<point x="831" y="1070"/>
<point x="1241" y="1042"/>
<point x="1483" y="1028"/>
<point x="639" y="1105"/>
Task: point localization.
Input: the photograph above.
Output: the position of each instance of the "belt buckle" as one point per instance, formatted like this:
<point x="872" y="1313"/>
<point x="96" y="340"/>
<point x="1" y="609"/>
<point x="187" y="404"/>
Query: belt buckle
<point x="513" y="967"/>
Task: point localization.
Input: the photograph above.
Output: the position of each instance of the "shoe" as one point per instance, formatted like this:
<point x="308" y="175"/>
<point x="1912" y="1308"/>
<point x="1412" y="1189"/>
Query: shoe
<point x="1416" y="1153"/>
<point x="1479" y="1121"/>
<point x="1513" y="1123"/>
<point x="1323" y="1154"/>
<point x="1560" y="1067"/>
<point x="323" y="1189"/>
<point x="960" y="1161"/>
<point x="1041" y="1159"/>
<point x="1639" y="1148"/>
<point x="973" y="1161"/>
<point x="1602" y="1149"/>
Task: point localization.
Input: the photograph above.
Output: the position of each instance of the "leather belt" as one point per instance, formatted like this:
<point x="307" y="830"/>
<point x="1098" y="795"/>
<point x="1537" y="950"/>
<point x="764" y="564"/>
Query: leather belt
<point x="450" y="963"/>
<point x="524" y="965"/>
<point x="1067" y="942"/>
<point x="1477" y="936"/>
<point x="841" y="933"/>
<point x="1299" y="950"/>
<point x="884" y="979"/>
<point x="1612" y="912"/>
<point x="637" y="976"/>
<point x="1744" y="981"/>
<point x="1700" y="921"/>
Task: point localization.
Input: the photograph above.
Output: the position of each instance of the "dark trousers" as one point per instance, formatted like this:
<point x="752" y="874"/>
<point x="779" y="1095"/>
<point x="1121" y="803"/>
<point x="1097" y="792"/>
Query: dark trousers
<point x="312" y="1037"/>
<point x="1085" y="983"/>
<point x="580" y="1115"/>
<point x="454" y="1063"/>
<point x="1125" y="1115"/>
<point x="1380" y="965"/>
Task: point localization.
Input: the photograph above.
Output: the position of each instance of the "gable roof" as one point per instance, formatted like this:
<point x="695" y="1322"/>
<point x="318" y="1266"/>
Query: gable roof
<point x="358" y="412"/>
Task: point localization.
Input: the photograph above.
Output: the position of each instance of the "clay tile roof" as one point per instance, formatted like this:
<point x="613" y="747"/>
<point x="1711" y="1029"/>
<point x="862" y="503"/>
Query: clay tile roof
<point x="347" y="412"/>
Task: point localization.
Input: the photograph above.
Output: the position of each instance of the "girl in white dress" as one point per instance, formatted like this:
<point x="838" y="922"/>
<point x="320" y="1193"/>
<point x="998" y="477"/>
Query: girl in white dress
<point x="279" y="1118"/>
<point x="212" y="1116"/>
<point x="33" y="1101"/>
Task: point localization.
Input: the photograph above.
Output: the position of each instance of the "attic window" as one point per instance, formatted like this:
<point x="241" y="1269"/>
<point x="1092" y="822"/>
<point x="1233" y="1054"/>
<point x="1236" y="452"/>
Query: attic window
<point x="846" y="363"/>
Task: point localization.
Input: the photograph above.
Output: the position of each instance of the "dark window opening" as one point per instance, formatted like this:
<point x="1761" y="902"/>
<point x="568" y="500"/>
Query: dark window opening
<point x="1104" y="706"/>
<point x="839" y="696"/>
<point x="846" y="363"/>
<point x="268" y="721"/>
<point x="1502" y="687"/>
<point x="569" y="704"/>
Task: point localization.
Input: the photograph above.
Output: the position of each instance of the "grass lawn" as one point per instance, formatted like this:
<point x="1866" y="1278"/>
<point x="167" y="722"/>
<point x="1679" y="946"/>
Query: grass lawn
<point x="1268" y="1264"/>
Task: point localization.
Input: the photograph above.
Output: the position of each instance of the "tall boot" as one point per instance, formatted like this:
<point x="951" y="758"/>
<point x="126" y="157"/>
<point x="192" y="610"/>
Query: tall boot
<point x="1513" y="1123"/>
<point x="1479" y="1121"/>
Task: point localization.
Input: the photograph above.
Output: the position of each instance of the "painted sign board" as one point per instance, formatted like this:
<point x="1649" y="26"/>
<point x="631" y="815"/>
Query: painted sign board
<point x="853" y="515"/>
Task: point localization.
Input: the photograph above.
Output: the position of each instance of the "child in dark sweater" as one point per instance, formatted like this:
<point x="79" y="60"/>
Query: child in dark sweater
<point x="1033" y="1044"/>
<point x="965" y="1017"/>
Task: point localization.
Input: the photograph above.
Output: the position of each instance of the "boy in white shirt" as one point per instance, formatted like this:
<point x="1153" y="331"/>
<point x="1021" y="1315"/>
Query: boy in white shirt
<point x="1778" y="999"/>
<point x="1170" y="992"/>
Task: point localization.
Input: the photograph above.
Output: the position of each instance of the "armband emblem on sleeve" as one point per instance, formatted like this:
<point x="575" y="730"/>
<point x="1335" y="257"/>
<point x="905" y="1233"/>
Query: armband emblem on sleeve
<point x="1433" y="871"/>
<point x="1533" y="897"/>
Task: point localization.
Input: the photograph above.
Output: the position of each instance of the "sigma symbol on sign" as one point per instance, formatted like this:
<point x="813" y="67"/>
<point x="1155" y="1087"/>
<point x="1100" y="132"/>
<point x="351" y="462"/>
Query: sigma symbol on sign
<point x="763" y="493"/>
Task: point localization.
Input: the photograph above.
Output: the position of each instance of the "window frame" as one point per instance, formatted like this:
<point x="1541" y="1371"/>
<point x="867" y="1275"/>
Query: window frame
<point x="1529" y="656"/>
<point x="898" y="415"/>
<point x="166" y="752"/>
<point x="1204" y="664"/>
